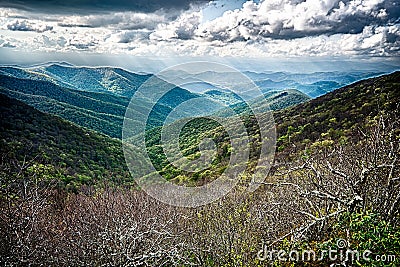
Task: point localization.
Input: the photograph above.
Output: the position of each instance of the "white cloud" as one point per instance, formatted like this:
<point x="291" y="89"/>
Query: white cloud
<point x="119" y="20"/>
<point x="25" y="25"/>
<point x="273" y="28"/>
<point x="6" y="43"/>
<point x="288" y="19"/>
<point x="127" y="36"/>
<point x="373" y="41"/>
<point x="181" y="28"/>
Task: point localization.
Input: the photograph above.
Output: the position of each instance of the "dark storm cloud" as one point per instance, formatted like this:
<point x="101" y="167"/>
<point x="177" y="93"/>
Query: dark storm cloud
<point x="90" y="6"/>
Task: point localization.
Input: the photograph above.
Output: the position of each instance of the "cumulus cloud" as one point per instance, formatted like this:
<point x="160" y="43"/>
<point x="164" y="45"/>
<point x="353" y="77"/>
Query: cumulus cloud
<point x="181" y="28"/>
<point x="127" y="36"/>
<point x="270" y="28"/>
<point x="120" y="20"/>
<point x="372" y="41"/>
<point x="25" y="25"/>
<point x="6" y="43"/>
<point x="282" y="19"/>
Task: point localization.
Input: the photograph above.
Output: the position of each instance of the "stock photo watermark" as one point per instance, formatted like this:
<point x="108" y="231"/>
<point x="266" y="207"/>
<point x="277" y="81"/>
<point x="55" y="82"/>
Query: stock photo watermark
<point x="343" y="253"/>
<point x="140" y="111"/>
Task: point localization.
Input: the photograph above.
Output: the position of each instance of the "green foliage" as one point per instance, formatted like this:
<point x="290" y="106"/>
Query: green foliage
<point x="316" y="125"/>
<point x="368" y="231"/>
<point x="102" y="112"/>
<point x="338" y="115"/>
<point x="56" y="148"/>
<point x="38" y="148"/>
<point x="270" y="101"/>
<point x="190" y="137"/>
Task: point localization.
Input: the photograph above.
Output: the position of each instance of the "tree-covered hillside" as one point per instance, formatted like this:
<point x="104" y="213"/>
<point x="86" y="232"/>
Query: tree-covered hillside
<point x="101" y="112"/>
<point x="32" y="141"/>
<point x="336" y="117"/>
<point x="312" y="84"/>
<point x="339" y="115"/>
<point x="66" y="197"/>
<point x="63" y="91"/>
<point x="106" y="79"/>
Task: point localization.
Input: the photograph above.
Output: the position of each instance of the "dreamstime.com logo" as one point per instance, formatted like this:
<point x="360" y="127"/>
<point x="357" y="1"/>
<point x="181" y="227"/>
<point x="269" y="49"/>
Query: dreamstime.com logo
<point x="147" y="107"/>
<point x="338" y="257"/>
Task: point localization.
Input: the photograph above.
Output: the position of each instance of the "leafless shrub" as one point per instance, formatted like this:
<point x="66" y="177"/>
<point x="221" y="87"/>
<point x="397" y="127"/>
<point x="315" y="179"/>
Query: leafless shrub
<point x="43" y="225"/>
<point x="23" y="204"/>
<point x="311" y="192"/>
<point x="225" y="233"/>
<point x="119" y="228"/>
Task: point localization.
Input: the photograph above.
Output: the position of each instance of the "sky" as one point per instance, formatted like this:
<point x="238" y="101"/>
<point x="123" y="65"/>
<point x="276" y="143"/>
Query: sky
<point x="363" y="31"/>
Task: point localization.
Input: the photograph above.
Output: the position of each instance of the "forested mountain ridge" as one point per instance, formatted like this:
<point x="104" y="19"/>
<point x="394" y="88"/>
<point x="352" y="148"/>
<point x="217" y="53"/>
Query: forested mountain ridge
<point x="66" y="197"/>
<point x="105" y="79"/>
<point x="121" y="82"/>
<point x="101" y="112"/>
<point x="333" y="117"/>
<point x="313" y="84"/>
<point x="336" y="117"/>
<point x="104" y="110"/>
<point x="102" y="80"/>
<point x="57" y="148"/>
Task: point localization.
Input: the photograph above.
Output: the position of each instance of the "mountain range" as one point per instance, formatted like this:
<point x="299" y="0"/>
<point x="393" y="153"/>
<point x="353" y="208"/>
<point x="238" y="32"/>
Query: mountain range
<point x="97" y="98"/>
<point x="68" y="150"/>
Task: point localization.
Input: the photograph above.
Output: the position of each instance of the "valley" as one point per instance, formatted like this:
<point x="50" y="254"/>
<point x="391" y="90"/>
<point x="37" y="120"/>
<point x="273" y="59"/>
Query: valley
<point x="64" y="174"/>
